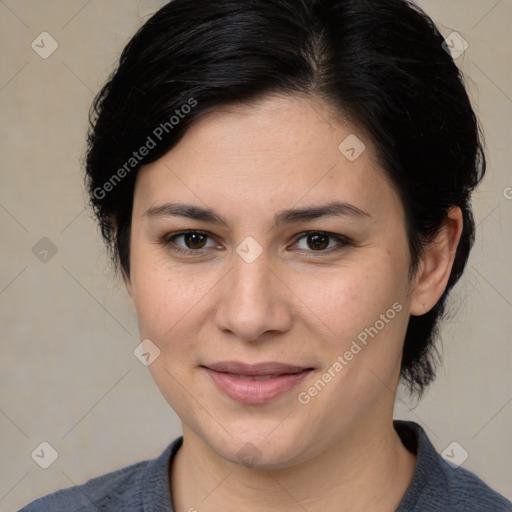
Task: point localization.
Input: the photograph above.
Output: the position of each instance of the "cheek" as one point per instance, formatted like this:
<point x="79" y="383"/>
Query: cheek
<point x="366" y="313"/>
<point x="165" y="296"/>
<point x="349" y="300"/>
<point x="164" y="307"/>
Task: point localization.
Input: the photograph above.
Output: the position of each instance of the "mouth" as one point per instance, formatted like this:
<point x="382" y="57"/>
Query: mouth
<point x="257" y="383"/>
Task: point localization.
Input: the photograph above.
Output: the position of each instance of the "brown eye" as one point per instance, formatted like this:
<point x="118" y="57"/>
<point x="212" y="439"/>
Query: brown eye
<point x="318" y="241"/>
<point x="188" y="242"/>
<point x="321" y="242"/>
<point x="194" y="240"/>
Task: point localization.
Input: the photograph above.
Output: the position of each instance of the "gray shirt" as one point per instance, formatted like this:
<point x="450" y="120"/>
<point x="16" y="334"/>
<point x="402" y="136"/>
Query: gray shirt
<point x="436" y="486"/>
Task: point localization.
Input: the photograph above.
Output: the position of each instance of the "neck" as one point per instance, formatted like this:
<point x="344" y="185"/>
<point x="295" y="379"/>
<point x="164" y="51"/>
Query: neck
<point x="367" y="469"/>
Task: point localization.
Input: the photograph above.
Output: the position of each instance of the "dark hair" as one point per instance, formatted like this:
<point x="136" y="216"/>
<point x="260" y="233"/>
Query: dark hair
<point x="379" y="63"/>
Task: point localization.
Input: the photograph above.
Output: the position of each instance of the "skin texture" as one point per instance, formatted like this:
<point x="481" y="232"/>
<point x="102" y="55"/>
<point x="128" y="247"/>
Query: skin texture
<point x="248" y="162"/>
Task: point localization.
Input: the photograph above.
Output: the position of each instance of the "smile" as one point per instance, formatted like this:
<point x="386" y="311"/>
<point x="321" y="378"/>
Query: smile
<point x="255" y="384"/>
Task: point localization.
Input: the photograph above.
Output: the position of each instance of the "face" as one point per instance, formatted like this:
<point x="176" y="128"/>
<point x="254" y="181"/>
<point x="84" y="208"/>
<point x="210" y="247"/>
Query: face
<point x="269" y="276"/>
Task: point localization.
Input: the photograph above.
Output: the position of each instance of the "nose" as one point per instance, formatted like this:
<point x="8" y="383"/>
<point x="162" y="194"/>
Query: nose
<point x="254" y="301"/>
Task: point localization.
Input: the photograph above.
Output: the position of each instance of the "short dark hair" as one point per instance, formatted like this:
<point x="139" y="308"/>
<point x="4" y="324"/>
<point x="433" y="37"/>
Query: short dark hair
<point x="379" y="63"/>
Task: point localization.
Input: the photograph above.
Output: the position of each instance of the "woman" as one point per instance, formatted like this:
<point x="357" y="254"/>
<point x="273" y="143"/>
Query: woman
<point x="264" y="176"/>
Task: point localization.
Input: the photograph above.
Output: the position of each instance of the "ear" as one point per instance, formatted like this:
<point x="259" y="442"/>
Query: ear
<point x="436" y="264"/>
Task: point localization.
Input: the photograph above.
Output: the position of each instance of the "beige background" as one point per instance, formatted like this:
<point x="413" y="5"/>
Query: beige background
<point x="68" y="375"/>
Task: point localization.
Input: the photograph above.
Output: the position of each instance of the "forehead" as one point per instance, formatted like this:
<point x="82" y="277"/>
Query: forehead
<point x="280" y="151"/>
<point x="291" y="128"/>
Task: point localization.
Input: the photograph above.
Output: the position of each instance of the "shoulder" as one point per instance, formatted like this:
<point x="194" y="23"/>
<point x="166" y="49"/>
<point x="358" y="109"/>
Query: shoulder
<point x="123" y="490"/>
<point x="108" y="489"/>
<point x="469" y="493"/>
<point x="440" y="486"/>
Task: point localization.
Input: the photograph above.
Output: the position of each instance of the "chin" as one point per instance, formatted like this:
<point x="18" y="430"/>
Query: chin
<point x="254" y="449"/>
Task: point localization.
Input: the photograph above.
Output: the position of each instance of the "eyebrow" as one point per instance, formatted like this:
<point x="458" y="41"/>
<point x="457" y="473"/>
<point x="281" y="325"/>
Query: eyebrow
<point x="333" y="209"/>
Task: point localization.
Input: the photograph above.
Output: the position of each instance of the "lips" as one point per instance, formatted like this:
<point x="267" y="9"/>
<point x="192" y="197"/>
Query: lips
<point x="255" y="383"/>
<point x="255" y="370"/>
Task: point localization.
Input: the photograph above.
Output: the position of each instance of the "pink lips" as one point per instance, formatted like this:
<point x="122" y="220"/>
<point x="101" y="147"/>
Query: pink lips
<point x="256" y="383"/>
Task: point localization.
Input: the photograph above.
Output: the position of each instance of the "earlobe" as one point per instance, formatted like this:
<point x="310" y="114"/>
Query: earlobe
<point x="436" y="264"/>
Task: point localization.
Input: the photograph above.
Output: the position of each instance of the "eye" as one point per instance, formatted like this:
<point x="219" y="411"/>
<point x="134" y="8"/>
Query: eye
<point x="320" y="242"/>
<point x="193" y="241"/>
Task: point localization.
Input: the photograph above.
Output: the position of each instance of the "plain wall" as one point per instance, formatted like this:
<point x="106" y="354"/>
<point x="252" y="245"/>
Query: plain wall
<point x="68" y="375"/>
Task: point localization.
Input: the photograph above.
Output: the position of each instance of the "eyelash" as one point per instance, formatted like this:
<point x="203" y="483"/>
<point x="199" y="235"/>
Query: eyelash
<point x="343" y="241"/>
